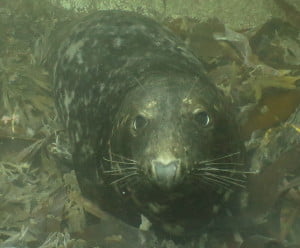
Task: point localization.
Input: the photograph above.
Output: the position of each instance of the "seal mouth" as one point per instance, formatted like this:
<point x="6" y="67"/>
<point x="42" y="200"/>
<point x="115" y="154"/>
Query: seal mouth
<point x="166" y="175"/>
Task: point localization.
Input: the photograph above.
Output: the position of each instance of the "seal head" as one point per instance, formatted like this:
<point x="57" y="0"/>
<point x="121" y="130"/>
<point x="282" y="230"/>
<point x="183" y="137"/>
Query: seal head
<point x="175" y="151"/>
<point x="167" y="128"/>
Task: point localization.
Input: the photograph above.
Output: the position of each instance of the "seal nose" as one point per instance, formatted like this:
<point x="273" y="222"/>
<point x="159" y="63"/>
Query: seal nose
<point x="166" y="174"/>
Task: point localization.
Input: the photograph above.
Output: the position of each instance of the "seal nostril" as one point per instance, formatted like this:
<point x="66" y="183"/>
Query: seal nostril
<point x="166" y="174"/>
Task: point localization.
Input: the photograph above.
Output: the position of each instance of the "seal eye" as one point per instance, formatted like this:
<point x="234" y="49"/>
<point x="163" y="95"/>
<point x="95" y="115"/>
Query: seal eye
<point x="139" y="122"/>
<point x="202" y="118"/>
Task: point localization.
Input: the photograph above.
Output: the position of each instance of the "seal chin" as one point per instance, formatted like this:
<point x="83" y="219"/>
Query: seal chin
<point x="166" y="174"/>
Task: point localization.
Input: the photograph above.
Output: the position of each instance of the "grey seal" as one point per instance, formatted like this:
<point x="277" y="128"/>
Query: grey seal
<point x="149" y="133"/>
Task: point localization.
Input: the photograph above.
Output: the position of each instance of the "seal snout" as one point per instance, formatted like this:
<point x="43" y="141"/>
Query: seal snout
<point x="166" y="174"/>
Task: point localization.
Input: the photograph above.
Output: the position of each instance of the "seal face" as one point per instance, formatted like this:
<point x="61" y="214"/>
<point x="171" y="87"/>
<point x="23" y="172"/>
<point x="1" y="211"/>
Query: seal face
<point x="148" y="130"/>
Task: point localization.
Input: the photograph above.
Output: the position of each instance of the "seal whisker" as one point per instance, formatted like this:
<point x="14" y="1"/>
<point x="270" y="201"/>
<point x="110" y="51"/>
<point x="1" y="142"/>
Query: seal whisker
<point x="191" y="89"/>
<point x="219" y="158"/>
<point x="124" y="177"/>
<point x="117" y="162"/>
<point x="222" y="179"/>
<point x="221" y="163"/>
<point x="139" y="83"/>
<point x="122" y="157"/>
<point x="228" y="180"/>
<point x="225" y="170"/>
<point x="123" y="183"/>
<point x="120" y="169"/>
<point x="118" y="172"/>
<point x="213" y="181"/>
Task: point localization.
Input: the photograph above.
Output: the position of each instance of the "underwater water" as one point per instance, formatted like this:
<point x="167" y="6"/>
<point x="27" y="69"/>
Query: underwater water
<point x="250" y="52"/>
